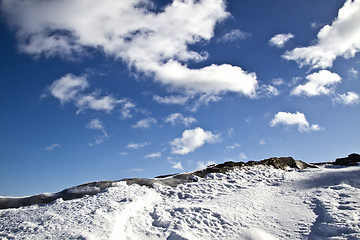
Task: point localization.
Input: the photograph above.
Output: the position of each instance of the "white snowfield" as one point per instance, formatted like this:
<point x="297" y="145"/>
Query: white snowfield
<point x="252" y="203"/>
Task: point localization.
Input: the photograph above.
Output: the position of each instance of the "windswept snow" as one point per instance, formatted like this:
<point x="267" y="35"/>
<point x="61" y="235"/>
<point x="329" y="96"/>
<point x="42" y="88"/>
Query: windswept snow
<point x="251" y="203"/>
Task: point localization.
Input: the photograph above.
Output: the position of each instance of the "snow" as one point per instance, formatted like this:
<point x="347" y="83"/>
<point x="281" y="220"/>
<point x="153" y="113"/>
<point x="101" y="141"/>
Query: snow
<point x="252" y="203"/>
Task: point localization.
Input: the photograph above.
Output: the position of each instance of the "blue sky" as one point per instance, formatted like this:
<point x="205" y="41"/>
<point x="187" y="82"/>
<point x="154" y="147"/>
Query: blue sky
<point x="105" y="90"/>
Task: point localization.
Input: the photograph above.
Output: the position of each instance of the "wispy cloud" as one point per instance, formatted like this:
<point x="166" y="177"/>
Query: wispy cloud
<point x="145" y="123"/>
<point x="52" y="147"/>
<point x="134" y="170"/>
<point x="353" y="72"/>
<point x="70" y="89"/>
<point x="96" y="124"/>
<point x="154" y="155"/>
<point x="202" y="165"/>
<point x="234" y="35"/>
<point x="137" y="145"/>
<point x="294" y="119"/>
<point x="173" y="99"/>
<point x="178" y="118"/>
<point x="233" y="146"/>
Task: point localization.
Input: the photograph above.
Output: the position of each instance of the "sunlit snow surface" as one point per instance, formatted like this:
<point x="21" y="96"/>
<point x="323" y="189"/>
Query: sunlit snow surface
<point x="252" y="203"/>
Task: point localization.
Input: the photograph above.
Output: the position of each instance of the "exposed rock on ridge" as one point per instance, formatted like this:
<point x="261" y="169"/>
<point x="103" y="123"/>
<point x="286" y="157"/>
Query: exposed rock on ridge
<point x="170" y="180"/>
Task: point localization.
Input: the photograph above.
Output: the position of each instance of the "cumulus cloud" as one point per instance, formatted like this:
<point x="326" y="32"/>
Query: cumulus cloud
<point x="294" y="119"/>
<point x="192" y="139"/>
<point x="320" y="83"/>
<point x="279" y="40"/>
<point x="341" y="38"/>
<point x="70" y="89"/>
<point x="154" y="43"/>
<point x="235" y="35"/>
<point x="52" y="147"/>
<point x="176" y="118"/>
<point x="96" y="124"/>
<point x="137" y="145"/>
<point x="145" y="123"/>
<point x="153" y="155"/>
<point x="349" y="98"/>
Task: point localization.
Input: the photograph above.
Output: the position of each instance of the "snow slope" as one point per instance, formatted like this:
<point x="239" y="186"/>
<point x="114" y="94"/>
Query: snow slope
<point x="251" y="203"/>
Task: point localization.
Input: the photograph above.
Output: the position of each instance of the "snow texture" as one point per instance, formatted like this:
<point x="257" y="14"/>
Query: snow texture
<point x="257" y="202"/>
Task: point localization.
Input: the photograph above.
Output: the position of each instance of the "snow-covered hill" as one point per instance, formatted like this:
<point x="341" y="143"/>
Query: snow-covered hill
<point x="257" y="202"/>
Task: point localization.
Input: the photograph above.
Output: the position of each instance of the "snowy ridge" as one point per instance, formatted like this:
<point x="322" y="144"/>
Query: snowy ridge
<point x="170" y="180"/>
<point x="257" y="202"/>
<point x="249" y="203"/>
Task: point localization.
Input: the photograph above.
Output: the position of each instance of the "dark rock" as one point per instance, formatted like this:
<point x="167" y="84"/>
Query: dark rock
<point x="350" y="160"/>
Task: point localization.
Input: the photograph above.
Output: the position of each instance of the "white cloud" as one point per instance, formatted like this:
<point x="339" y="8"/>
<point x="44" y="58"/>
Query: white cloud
<point x="153" y="155"/>
<point x="96" y="124"/>
<point x="106" y="103"/>
<point x="341" y="38"/>
<point x="156" y="44"/>
<point x="179" y="118"/>
<point x="179" y="100"/>
<point x="262" y="141"/>
<point x="232" y="147"/>
<point x="319" y="83"/>
<point x="52" y="147"/>
<point x="278" y="81"/>
<point x="145" y="123"/>
<point x="294" y="119"/>
<point x="349" y="98"/>
<point x="193" y="139"/>
<point x="234" y="35"/>
<point x="353" y="73"/>
<point x="68" y="87"/>
<point x="213" y="79"/>
<point x="279" y="40"/>
<point x="177" y="165"/>
<point x="137" y="145"/>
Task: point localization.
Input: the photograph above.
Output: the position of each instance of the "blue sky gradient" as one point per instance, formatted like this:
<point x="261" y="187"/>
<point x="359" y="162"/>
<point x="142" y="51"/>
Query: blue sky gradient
<point x="92" y="92"/>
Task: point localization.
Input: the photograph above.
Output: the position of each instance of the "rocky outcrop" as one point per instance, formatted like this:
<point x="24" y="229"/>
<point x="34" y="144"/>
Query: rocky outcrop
<point x="351" y="160"/>
<point x="170" y="180"/>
